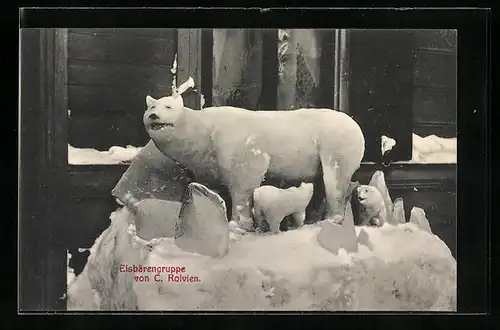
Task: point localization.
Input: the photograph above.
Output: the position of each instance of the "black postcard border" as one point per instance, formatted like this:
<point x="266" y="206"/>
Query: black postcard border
<point x="473" y="25"/>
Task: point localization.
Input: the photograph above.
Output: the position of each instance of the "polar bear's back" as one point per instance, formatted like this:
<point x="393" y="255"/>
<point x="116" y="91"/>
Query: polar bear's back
<point x="292" y="139"/>
<point x="304" y="128"/>
<point x="306" y="119"/>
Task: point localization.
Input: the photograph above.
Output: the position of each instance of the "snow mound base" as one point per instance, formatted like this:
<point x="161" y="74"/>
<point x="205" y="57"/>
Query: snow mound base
<point x="404" y="269"/>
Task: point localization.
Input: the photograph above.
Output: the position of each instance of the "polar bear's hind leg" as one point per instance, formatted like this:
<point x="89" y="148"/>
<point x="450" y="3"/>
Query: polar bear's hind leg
<point x="336" y="183"/>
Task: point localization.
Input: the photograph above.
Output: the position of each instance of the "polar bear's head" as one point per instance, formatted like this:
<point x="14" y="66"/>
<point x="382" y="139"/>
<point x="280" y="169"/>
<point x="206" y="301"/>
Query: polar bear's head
<point x="304" y="192"/>
<point x="370" y="196"/>
<point x="372" y="205"/>
<point x="162" y="115"/>
<point x="307" y="188"/>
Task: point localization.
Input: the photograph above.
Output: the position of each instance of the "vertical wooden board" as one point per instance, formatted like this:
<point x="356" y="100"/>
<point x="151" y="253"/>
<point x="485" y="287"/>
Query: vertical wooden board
<point x="30" y="268"/>
<point x="343" y="70"/>
<point x="269" y="90"/>
<point x="43" y="234"/>
<point x="207" y="45"/>
<point x="55" y="171"/>
<point x="60" y="120"/>
<point x="189" y="64"/>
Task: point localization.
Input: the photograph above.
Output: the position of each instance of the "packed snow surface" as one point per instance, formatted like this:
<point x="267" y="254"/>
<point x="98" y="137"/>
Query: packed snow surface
<point x="406" y="268"/>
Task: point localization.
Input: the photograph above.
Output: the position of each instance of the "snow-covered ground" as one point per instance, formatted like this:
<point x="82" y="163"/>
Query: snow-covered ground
<point x="405" y="268"/>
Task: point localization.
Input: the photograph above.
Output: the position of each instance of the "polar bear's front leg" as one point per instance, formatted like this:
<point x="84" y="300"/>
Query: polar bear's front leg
<point x="299" y="218"/>
<point x="242" y="166"/>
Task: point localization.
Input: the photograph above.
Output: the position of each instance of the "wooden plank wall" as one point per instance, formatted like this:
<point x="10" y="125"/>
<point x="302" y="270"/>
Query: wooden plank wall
<point x="43" y="216"/>
<point x="110" y="72"/>
<point x="435" y="80"/>
<point x="30" y="265"/>
<point x="189" y="52"/>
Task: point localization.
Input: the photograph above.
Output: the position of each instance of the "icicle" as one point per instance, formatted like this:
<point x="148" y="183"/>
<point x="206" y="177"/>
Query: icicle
<point x="174" y="77"/>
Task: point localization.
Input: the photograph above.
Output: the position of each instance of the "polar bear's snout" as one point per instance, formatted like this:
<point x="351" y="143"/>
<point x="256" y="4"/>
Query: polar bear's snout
<point x="162" y="113"/>
<point x="153" y="122"/>
<point x="153" y="116"/>
<point x="361" y="193"/>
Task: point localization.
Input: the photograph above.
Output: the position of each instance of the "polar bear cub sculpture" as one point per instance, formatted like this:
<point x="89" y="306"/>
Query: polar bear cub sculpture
<point x="273" y="204"/>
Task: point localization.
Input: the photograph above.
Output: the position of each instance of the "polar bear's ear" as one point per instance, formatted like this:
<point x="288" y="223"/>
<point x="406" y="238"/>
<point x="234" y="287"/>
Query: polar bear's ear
<point x="150" y="101"/>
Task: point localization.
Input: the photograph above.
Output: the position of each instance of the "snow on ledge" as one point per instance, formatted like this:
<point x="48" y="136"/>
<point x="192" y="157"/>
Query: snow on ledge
<point x="88" y="156"/>
<point x="119" y="155"/>
<point x="433" y="149"/>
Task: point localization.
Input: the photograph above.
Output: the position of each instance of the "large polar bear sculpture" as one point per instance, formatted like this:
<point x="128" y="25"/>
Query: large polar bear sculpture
<point x="240" y="148"/>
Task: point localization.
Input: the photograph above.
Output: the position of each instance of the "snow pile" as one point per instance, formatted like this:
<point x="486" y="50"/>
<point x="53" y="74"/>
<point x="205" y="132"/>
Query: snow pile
<point x="88" y="156"/>
<point x="405" y="268"/>
<point x="433" y="149"/>
<point x="387" y="144"/>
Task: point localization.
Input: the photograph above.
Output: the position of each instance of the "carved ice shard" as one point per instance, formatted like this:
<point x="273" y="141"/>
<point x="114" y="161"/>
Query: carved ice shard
<point x="156" y="218"/>
<point x="364" y="239"/>
<point x="151" y="175"/>
<point x="202" y="227"/>
<point x="398" y="213"/>
<point x="378" y="181"/>
<point x="418" y="217"/>
<point x="333" y="236"/>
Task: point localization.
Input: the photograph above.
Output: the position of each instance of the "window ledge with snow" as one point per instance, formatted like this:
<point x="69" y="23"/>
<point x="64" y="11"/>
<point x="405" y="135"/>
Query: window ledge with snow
<point x="116" y="155"/>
